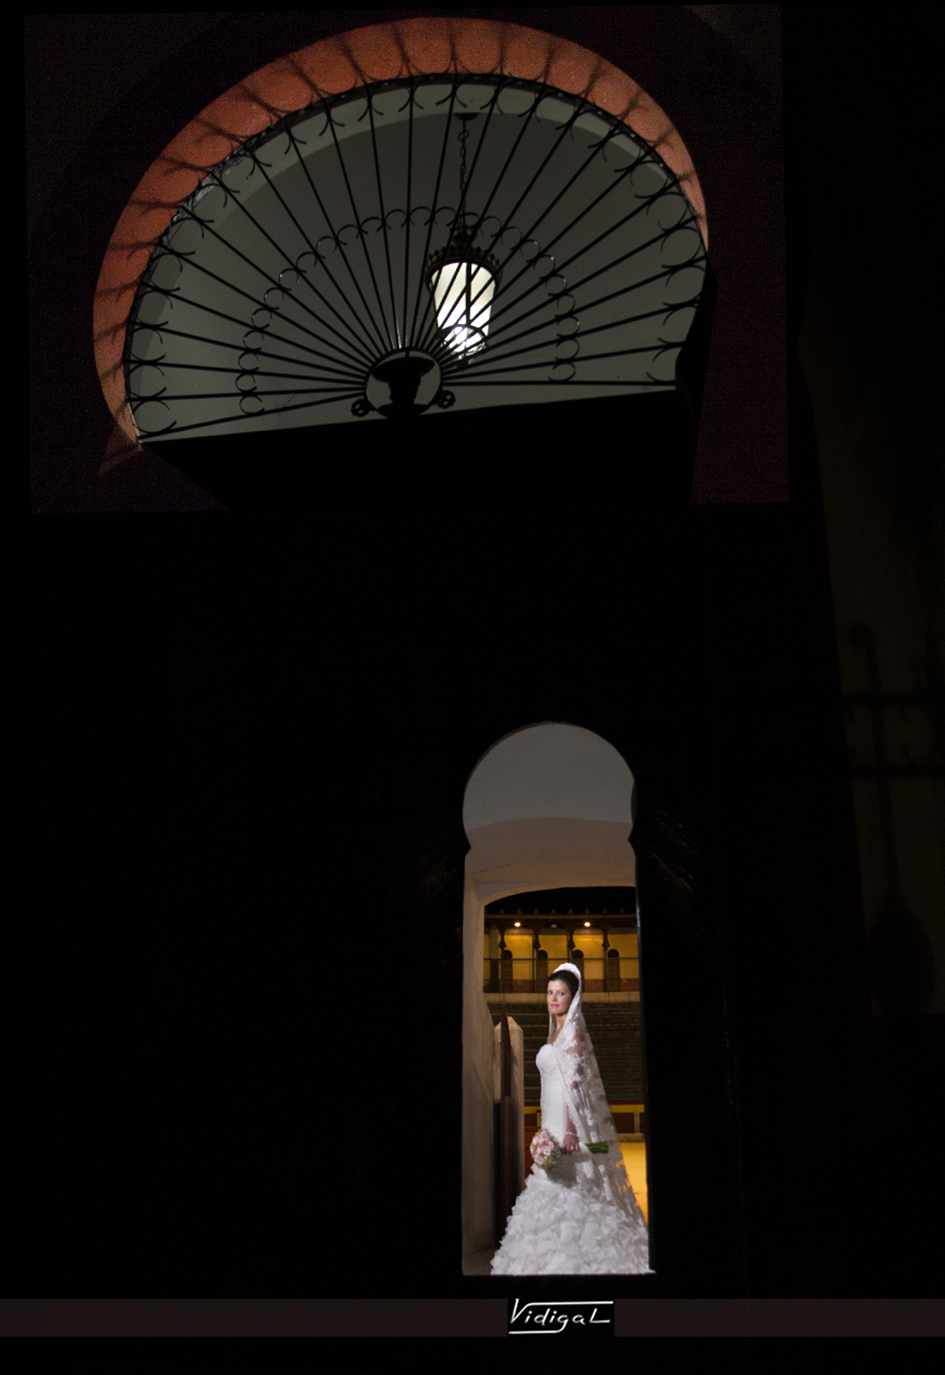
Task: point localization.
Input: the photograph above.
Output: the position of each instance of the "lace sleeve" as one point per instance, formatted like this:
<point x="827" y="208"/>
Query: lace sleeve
<point x="574" y="1064"/>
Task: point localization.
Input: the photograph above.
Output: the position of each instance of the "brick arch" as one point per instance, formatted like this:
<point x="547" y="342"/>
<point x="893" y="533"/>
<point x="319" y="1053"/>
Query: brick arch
<point x="379" y="52"/>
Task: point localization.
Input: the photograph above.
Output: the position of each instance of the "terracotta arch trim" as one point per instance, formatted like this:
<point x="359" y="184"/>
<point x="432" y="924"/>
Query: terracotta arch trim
<point x="381" y="52"/>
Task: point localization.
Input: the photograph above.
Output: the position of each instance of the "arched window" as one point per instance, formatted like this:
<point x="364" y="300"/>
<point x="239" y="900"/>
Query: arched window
<point x="431" y="242"/>
<point x="156" y="148"/>
<point x="435" y="216"/>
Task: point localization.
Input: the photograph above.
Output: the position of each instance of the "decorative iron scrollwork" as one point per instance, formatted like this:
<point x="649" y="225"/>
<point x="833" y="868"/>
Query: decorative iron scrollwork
<point x="297" y="277"/>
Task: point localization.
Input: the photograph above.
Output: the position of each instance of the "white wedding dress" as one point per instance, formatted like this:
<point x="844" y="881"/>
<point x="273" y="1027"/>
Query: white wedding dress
<point x="580" y="1217"/>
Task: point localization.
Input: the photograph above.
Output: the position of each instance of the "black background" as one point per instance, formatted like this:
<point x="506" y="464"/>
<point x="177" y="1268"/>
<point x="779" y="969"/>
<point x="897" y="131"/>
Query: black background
<point x="253" y="733"/>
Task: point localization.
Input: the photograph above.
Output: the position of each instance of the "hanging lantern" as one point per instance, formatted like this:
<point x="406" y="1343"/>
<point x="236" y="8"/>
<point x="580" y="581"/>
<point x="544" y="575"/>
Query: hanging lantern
<point x="462" y="278"/>
<point x="463" y="281"/>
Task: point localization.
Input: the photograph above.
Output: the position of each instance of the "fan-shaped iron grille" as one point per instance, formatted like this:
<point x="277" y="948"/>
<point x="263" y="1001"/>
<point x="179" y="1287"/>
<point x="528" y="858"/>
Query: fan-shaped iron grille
<point x="301" y="265"/>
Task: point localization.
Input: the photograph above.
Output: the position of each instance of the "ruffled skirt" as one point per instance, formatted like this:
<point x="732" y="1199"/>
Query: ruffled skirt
<point x="564" y="1222"/>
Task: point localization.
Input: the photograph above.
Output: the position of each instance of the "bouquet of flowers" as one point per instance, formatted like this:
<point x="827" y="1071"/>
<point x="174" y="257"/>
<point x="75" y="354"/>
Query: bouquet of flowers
<point x="546" y="1151"/>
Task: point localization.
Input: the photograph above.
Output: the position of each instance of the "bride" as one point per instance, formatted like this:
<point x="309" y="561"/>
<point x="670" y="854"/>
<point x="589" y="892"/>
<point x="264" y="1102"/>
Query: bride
<point x="580" y="1217"/>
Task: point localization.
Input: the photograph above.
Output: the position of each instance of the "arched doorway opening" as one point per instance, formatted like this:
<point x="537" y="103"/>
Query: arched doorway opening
<point x="548" y="812"/>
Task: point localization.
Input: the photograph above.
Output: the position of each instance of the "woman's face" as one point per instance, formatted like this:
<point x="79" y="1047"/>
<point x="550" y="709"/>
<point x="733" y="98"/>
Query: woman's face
<point x="559" y="997"/>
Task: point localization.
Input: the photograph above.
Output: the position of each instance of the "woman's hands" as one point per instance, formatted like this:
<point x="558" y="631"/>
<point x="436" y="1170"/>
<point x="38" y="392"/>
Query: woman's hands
<point x="570" y="1145"/>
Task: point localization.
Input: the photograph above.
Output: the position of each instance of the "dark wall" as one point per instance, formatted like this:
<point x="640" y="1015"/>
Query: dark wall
<point x="624" y="449"/>
<point x="255" y="735"/>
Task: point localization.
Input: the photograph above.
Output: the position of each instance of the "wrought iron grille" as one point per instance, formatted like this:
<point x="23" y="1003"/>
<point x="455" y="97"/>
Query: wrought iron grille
<point x="294" y="286"/>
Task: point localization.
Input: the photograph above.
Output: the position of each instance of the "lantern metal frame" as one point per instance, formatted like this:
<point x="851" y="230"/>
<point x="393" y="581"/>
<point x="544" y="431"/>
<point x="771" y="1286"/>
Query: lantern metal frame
<point x="462" y="252"/>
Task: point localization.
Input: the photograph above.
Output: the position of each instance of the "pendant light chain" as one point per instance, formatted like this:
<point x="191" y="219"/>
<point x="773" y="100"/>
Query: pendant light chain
<point x="463" y="137"/>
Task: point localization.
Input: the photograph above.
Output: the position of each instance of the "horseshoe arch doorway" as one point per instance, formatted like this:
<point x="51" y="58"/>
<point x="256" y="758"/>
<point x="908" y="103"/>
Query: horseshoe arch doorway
<point x="548" y="810"/>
